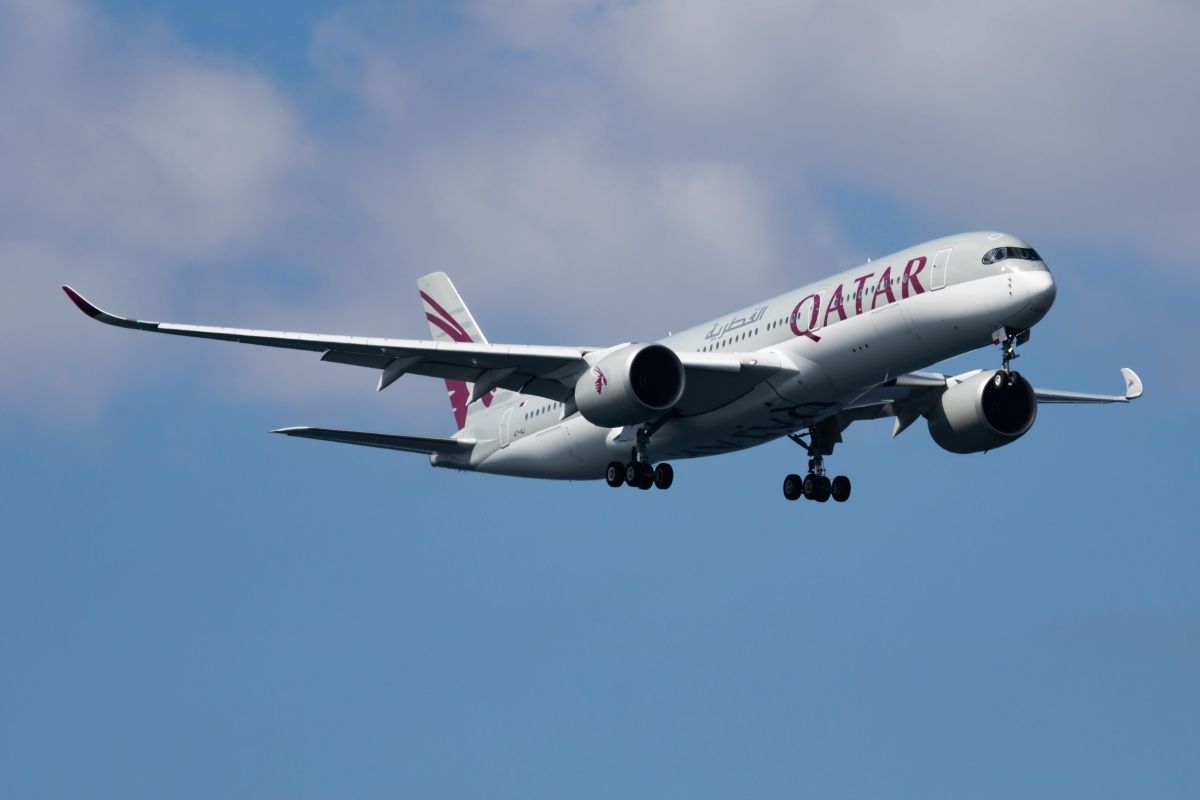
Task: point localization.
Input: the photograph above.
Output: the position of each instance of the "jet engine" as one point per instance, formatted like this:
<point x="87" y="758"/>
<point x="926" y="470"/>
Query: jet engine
<point x="985" y="411"/>
<point x="633" y="384"/>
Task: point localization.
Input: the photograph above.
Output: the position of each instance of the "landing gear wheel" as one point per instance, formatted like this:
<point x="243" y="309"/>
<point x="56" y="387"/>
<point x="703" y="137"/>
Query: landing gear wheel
<point x="614" y="475"/>
<point x="839" y="489"/>
<point x="817" y="487"/>
<point x="998" y="380"/>
<point x="809" y="488"/>
<point x="793" y="487"/>
<point x="664" y="476"/>
<point x="1012" y="378"/>
<point x="637" y="473"/>
<point x="823" y="489"/>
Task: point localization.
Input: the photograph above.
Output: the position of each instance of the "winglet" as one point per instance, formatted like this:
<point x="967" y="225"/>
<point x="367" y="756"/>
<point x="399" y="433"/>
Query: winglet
<point x="1133" y="384"/>
<point x="81" y="301"/>
<point x="95" y="312"/>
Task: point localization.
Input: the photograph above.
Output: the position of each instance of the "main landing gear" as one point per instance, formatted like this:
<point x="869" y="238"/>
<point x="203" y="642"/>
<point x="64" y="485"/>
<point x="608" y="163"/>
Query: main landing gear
<point x="638" y="472"/>
<point x="816" y="485"/>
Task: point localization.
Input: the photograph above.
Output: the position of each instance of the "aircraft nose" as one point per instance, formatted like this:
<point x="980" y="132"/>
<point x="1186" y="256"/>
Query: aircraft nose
<point x="1040" y="286"/>
<point x="1037" y="289"/>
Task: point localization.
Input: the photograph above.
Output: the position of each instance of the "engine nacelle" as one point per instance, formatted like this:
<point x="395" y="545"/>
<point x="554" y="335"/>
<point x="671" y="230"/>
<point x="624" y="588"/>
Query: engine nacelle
<point x="631" y="385"/>
<point x="986" y="411"/>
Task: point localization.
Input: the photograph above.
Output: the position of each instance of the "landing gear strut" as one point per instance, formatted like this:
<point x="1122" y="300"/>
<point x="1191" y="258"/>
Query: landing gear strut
<point x="639" y="472"/>
<point x="1008" y="341"/>
<point x="816" y="485"/>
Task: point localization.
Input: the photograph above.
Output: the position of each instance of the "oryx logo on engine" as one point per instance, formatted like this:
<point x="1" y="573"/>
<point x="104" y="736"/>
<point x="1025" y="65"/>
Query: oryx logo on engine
<point x="601" y="379"/>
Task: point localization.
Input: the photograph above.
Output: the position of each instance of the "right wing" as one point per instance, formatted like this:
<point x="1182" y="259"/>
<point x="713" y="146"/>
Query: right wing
<point x="539" y="370"/>
<point x="713" y="379"/>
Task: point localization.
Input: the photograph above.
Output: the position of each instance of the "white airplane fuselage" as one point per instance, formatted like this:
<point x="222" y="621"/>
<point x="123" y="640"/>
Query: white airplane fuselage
<point x="846" y="334"/>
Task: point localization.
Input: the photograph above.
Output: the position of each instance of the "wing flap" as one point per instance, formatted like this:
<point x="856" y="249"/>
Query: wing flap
<point x="371" y="360"/>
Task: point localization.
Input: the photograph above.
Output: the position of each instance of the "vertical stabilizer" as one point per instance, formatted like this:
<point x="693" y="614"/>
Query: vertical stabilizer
<point x="451" y="321"/>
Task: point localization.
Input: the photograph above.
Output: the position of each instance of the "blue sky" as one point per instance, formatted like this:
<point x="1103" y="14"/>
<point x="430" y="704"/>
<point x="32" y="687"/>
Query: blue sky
<point x="194" y="608"/>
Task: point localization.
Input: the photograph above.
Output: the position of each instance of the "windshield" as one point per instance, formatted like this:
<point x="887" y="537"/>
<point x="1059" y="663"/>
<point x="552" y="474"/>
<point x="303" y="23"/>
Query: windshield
<point x="1001" y="253"/>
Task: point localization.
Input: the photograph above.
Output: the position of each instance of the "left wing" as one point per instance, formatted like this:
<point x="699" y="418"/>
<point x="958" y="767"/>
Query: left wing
<point x="1133" y="390"/>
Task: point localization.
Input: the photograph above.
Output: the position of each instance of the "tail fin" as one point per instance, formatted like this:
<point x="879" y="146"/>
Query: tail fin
<point x="450" y="321"/>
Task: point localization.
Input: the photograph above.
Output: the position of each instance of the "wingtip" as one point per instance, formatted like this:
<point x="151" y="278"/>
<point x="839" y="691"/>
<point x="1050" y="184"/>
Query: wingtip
<point x="1133" y="384"/>
<point x="294" y="430"/>
<point x="81" y="302"/>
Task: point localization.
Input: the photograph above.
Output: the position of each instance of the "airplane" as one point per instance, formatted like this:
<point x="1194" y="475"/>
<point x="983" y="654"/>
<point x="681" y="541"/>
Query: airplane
<point x="802" y="365"/>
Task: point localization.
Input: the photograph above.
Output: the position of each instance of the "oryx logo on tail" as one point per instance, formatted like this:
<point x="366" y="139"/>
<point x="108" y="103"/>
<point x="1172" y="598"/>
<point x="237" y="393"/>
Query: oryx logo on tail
<point x="437" y="292"/>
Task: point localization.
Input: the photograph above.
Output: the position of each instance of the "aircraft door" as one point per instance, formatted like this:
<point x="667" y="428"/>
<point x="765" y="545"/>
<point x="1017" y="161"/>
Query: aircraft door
<point x="941" y="266"/>
<point x="506" y="427"/>
<point x="823" y="307"/>
<point x="573" y="443"/>
<point x="893" y="343"/>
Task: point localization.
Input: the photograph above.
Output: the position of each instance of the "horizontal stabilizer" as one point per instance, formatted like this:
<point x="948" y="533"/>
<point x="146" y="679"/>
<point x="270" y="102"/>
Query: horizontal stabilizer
<point x="409" y="444"/>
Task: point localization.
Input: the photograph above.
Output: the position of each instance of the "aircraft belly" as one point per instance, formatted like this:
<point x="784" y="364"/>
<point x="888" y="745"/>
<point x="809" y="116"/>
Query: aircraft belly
<point x="755" y="419"/>
<point x="544" y="454"/>
<point x="572" y="450"/>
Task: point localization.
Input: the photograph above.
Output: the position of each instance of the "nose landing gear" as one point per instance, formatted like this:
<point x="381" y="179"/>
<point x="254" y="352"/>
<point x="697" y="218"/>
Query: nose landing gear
<point x="1008" y="341"/>
<point x="816" y="485"/>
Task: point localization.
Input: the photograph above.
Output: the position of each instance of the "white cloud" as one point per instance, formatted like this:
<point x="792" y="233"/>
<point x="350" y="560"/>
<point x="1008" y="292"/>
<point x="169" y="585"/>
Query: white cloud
<point x="585" y="242"/>
<point x="567" y="163"/>
<point x="1071" y="124"/>
<point x="214" y="143"/>
<point x="126" y="157"/>
<point x="988" y="113"/>
<point x="129" y="139"/>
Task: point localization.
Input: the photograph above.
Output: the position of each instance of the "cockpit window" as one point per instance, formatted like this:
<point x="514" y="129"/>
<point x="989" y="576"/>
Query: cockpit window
<point x="1001" y="253"/>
